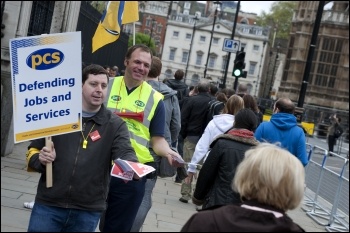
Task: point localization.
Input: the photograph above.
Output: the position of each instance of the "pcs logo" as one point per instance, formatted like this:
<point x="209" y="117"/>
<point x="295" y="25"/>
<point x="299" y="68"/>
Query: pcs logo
<point x="45" y="59"/>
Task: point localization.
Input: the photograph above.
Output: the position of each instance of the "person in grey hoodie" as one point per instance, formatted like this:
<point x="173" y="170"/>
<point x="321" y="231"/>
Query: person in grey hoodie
<point x="183" y="92"/>
<point x="172" y="129"/>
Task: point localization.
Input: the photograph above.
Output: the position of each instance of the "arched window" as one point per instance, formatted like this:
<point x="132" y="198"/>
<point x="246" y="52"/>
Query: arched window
<point x="195" y="80"/>
<point x="168" y="74"/>
<point x="250" y="88"/>
<point x="244" y="21"/>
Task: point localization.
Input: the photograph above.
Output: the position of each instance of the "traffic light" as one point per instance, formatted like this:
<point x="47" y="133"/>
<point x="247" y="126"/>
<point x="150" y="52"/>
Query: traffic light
<point x="239" y="65"/>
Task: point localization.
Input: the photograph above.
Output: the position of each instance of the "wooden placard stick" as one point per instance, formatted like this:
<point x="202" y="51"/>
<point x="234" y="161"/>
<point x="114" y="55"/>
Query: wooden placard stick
<point x="48" y="144"/>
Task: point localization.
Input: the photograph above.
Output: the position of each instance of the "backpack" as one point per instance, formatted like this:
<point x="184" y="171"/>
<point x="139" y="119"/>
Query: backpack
<point x="181" y="95"/>
<point x="210" y="112"/>
<point x="338" y="131"/>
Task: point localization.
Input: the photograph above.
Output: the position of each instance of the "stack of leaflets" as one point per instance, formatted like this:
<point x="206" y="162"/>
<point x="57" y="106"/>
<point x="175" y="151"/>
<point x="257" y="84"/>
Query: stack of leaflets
<point x="125" y="170"/>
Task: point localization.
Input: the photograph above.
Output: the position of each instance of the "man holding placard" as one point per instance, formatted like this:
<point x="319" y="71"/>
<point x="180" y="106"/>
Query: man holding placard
<point x="81" y="163"/>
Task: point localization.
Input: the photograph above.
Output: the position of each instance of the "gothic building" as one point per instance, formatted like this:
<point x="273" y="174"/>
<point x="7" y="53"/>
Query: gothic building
<point x="328" y="81"/>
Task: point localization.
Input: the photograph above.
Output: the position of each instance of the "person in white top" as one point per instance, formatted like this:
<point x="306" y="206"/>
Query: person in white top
<point x="219" y="125"/>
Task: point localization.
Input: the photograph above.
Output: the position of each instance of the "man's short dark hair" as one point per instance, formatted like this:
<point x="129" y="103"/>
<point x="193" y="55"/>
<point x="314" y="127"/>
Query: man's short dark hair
<point x="213" y="89"/>
<point x="179" y="74"/>
<point x="94" y="69"/>
<point x="143" y="47"/>
<point x="156" y="67"/>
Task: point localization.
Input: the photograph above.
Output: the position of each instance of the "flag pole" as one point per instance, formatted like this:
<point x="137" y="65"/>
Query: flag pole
<point x="134" y="36"/>
<point x="48" y="144"/>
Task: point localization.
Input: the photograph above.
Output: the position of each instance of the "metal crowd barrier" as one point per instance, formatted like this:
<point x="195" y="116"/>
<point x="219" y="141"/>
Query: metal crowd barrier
<point x="313" y="175"/>
<point x="341" y="202"/>
<point x="327" y="191"/>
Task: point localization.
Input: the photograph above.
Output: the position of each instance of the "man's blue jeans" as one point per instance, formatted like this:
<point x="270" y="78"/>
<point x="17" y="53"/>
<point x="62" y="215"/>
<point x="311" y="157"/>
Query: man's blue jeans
<point x="145" y="205"/>
<point x="55" y="219"/>
<point x="124" y="200"/>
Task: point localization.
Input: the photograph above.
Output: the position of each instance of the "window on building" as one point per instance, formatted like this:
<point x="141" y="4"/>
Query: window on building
<point x="179" y="18"/>
<point x="336" y="58"/>
<point x="202" y="38"/>
<point x="243" y="45"/>
<point x="334" y="70"/>
<point x="244" y="21"/>
<point x="216" y="40"/>
<point x="184" y="56"/>
<point x="245" y="30"/>
<point x="329" y="57"/>
<point x="199" y="58"/>
<point x="323" y="57"/>
<point x="187" y="5"/>
<point x="256" y="48"/>
<point x="195" y="80"/>
<point x="320" y="68"/>
<point x="332" y="45"/>
<point x="168" y="74"/>
<point x="176" y="34"/>
<point x="249" y="88"/>
<point x="172" y="54"/>
<point x="188" y="36"/>
<point x="321" y="80"/>
<point x="224" y="60"/>
<point x="159" y="28"/>
<point x="148" y="22"/>
<point x="339" y="46"/>
<point x="331" y="82"/>
<point x="212" y="60"/>
<point x="252" y="67"/>
<point x="327" y="69"/>
<point x="325" y="44"/>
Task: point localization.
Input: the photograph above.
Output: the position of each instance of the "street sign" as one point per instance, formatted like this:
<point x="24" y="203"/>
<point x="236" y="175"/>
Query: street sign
<point x="230" y="45"/>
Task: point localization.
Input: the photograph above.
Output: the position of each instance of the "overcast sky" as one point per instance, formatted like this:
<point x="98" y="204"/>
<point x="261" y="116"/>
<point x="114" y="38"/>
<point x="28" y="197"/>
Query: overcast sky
<point x="255" y="6"/>
<point x="259" y="6"/>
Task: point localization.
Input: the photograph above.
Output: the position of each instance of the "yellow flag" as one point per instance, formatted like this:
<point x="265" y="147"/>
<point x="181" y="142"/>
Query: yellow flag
<point x="116" y="14"/>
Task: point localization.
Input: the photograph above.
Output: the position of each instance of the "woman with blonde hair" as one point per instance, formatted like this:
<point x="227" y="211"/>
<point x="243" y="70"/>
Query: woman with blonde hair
<point x="270" y="181"/>
<point x="219" y="125"/>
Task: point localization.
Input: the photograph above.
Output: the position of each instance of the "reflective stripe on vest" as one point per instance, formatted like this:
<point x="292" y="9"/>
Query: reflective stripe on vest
<point x="143" y="98"/>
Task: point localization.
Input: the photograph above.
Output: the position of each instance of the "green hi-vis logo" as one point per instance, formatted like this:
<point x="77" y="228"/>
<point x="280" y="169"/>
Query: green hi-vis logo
<point x="116" y="98"/>
<point x="139" y="103"/>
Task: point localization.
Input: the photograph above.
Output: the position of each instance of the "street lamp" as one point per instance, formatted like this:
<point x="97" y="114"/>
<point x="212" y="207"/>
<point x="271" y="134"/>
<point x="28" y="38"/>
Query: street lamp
<point x="266" y="80"/>
<point x="150" y="37"/>
<point x="274" y="68"/>
<point x="189" y="53"/>
<point x="218" y="4"/>
<point x="257" y="82"/>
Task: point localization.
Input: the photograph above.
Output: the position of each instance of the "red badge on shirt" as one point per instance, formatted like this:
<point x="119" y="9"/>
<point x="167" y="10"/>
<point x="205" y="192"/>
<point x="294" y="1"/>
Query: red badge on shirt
<point x="95" y="135"/>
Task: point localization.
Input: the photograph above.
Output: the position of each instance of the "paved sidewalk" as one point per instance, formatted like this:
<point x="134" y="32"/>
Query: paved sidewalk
<point x="167" y="214"/>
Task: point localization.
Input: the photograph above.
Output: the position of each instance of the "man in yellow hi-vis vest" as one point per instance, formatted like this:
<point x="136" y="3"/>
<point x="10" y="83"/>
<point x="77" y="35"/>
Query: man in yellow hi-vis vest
<point x="142" y="109"/>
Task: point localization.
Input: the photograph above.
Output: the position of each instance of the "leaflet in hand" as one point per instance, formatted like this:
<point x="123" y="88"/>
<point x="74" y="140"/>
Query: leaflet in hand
<point x="178" y="159"/>
<point x="125" y="169"/>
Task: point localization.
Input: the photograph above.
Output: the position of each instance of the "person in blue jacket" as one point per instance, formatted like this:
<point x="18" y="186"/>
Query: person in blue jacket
<point x="283" y="129"/>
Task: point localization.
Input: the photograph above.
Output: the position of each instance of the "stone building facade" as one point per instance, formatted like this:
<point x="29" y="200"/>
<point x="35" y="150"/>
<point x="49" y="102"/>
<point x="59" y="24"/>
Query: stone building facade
<point x="328" y="82"/>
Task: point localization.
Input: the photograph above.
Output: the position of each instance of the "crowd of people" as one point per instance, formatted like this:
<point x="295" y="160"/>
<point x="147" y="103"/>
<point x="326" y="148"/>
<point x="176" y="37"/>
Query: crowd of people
<point x="219" y="136"/>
